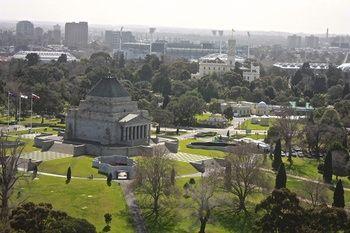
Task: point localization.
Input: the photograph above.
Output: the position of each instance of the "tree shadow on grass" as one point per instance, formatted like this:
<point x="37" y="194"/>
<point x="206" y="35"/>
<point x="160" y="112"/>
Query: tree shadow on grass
<point x="165" y="222"/>
<point x="236" y="222"/>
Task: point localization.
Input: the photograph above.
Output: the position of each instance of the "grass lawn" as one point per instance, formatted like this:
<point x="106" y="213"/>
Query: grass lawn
<point x="252" y="136"/>
<point x="86" y="199"/>
<point x="183" y="219"/>
<point x="81" y="166"/>
<point x="183" y="168"/>
<point x="209" y="153"/>
<point x="29" y="144"/>
<point x="250" y="126"/>
<point x="203" y="117"/>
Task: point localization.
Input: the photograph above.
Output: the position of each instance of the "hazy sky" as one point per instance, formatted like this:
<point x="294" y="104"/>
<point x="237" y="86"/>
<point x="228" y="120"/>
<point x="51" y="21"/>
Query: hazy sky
<point x="310" y="16"/>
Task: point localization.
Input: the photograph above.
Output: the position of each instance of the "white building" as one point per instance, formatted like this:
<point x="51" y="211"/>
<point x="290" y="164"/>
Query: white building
<point x="252" y="73"/>
<point x="45" y="56"/>
<point x="222" y="63"/>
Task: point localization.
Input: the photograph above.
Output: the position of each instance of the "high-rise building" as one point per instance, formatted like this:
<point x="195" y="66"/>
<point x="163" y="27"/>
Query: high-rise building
<point x="294" y="41"/>
<point x="25" y="28"/>
<point x="312" y="41"/>
<point x="112" y="38"/>
<point x="24" y="33"/>
<point x="76" y="34"/>
<point x="56" y="34"/>
<point x="38" y="36"/>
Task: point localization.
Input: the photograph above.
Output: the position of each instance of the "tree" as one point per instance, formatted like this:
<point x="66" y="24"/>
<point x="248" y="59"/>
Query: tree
<point x="346" y="89"/>
<point x="121" y="61"/>
<point x="228" y="113"/>
<point x="338" y="196"/>
<point x="153" y="178"/>
<point x="69" y="175"/>
<point x="185" y="108"/>
<point x="32" y="59"/>
<point x="277" y="159"/>
<point x="146" y="73"/>
<point x="41" y="218"/>
<point x="288" y="127"/>
<point x="108" y="220"/>
<point x="228" y="133"/>
<point x="281" y="177"/>
<point x="203" y="197"/>
<point x="328" y="168"/>
<point x="214" y="106"/>
<point x="316" y="192"/>
<point x="281" y="212"/>
<point x="172" y="176"/>
<point x="62" y="58"/>
<point x="10" y="153"/>
<point x="109" y="179"/>
<point x="246" y="177"/>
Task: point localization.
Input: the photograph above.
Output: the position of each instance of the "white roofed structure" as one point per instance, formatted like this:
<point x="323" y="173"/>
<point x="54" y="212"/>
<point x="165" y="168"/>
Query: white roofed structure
<point x="45" y="56"/>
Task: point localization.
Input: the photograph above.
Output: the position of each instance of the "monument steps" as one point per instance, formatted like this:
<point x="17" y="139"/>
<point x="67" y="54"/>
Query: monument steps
<point x="66" y="148"/>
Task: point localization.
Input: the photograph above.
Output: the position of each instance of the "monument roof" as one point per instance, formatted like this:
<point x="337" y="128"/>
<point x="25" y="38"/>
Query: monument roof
<point x="108" y="87"/>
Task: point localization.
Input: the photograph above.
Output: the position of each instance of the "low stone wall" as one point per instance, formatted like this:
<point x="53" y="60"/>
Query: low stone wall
<point x="46" y="144"/>
<point x="79" y="150"/>
<point x="221" y="148"/>
<point x="172" y="146"/>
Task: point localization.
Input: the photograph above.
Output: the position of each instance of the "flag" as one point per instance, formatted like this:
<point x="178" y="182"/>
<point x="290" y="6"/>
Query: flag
<point x="248" y="33"/>
<point x="24" y="96"/>
<point x="12" y="94"/>
<point x="34" y="96"/>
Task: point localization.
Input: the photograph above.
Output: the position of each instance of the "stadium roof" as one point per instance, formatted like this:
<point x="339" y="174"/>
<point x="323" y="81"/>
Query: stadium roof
<point x="45" y="56"/>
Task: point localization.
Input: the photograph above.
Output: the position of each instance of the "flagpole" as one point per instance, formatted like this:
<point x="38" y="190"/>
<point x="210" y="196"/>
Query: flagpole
<point x="31" y="112"/>
<point x="19" y="111"/>
<point x="8" y="110"/>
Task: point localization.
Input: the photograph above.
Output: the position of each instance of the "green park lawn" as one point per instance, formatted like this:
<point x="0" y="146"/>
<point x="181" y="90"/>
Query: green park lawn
<point x="80" y="166"/>
<point x="203" y="116"/>
<point x="183" y="168"/>
<point x="184" y="219"/>
<point x="210" y="153"/>
<point x="88" y="199"/>
<point x="248" y="125"/>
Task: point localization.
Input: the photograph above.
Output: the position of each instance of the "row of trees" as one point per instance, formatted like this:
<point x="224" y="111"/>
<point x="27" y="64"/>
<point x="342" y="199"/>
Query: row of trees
<point x="227" y="191"/>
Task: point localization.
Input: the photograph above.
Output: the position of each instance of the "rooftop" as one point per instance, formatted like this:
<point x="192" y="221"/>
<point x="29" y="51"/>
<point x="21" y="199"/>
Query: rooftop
<point x="109" y="88"/>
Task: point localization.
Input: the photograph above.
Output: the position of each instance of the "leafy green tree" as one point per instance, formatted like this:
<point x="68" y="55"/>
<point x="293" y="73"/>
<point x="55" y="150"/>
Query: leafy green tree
<point x="146" y="73"/>
<point x="32" y="59"/>
<point x="346" y="89"/>
<point x="215" y="106"/>
<point x="327" y="168"/>
<point x="228" y="113"/>
<point x="108" y="218"/>
<point x="62" y="58"/>
<point x="280" y="212"/>
<point x="121" y="61"/>
<point x="338" y="196"/>
<point x="281" y="177"/>
<point x="41" y="218"/>
<point x="277" y="159"/>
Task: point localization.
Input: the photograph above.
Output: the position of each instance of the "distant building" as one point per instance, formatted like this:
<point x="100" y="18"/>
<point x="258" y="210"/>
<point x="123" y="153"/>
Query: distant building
<point x="312" y="42"/>
<point x="24" y="33"/>
<point x="76" y="34"/>
<point x="112" y="38"/>
<point x="25" y="28"/>
<point x="56" y="34"/>
<point x="294" y="41"/>
<point x="38" y="36"/>
<point x="223" y="63"/>
<point x="45" y="56"/>
<point x="251" y="73"/>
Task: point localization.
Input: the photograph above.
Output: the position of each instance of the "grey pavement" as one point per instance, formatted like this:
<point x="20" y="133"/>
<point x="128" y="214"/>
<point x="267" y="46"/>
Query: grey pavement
<point x="44" y="156"/>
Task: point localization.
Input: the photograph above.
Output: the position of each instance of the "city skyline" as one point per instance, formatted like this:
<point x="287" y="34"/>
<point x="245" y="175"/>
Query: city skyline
<point x="252" y="15"/>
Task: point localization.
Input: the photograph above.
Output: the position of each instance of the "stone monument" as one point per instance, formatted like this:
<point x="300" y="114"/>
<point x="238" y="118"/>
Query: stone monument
<point x="108" y="117"/>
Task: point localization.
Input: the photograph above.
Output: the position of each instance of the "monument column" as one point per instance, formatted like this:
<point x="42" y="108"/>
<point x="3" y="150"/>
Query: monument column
<point x="126" y="133"/>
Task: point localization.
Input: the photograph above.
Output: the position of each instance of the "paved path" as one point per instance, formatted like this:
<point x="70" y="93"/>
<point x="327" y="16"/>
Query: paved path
<point x="44" y="156"/>
<point x="186" y="157"/>
<point x="134" y="209"/>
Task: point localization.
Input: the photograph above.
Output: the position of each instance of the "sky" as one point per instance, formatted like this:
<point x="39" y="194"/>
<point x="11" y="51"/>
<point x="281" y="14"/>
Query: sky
<point x="307" y="16"/>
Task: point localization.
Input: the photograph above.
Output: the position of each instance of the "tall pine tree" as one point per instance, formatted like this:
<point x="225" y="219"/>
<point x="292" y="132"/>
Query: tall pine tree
<point x="327" y="168"/>
<point x="277" y="159"/>
<point x="281" y="177"/>
<point x="338" y="196"/>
